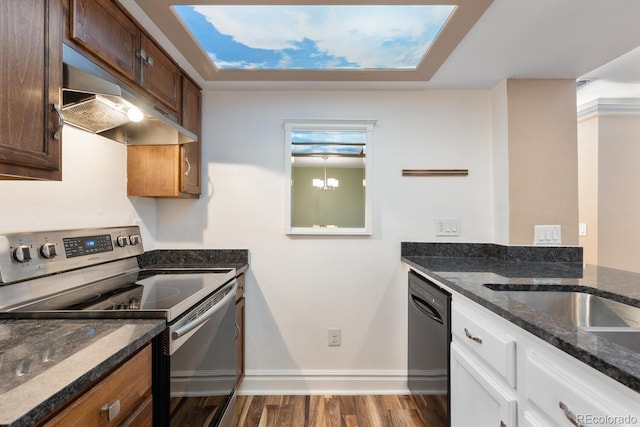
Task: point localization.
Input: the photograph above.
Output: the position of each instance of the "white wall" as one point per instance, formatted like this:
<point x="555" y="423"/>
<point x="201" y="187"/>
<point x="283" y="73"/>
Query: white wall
<point x="298" y="287"/>
<point x="92" y="193"/>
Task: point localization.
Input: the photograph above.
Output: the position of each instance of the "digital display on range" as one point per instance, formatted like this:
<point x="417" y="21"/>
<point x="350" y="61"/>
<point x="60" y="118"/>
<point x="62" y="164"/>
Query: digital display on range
<point x="88" y="245"/>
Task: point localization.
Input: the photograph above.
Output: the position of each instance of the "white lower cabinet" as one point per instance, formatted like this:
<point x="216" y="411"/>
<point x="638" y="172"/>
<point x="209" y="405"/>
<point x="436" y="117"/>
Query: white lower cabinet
<point x="560" y="394"/>
<point x="502" y="375"/>
<point x="477" y="397"/>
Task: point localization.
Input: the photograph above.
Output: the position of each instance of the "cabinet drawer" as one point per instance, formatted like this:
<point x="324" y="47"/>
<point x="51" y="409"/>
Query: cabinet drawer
<point x="483" y="336"/>
<point x="553" y="392"/>
<point x="477" y="399"/>
<point x="130" y="384"/>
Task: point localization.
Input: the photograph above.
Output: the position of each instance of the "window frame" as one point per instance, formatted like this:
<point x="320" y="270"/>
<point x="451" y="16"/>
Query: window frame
<point x="325" y="125"/>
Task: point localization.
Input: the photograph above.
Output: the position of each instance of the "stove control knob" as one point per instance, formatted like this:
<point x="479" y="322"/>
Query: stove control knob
<point x="134" y="239"/>
<point x="123" y="241"/>
<point x="22" y="253"/>
<point x="48" y="250"/>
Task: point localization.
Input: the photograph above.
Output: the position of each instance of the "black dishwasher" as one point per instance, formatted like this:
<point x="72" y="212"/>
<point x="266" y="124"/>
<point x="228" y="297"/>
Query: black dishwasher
<point x="429" y="337"/>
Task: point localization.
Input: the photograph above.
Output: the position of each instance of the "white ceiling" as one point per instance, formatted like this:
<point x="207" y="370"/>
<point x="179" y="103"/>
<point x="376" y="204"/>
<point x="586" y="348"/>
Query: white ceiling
<point x="514" y="39"/>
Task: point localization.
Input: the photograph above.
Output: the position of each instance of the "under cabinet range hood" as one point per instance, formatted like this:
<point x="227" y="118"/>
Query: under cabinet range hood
<point x="95" y="101"/>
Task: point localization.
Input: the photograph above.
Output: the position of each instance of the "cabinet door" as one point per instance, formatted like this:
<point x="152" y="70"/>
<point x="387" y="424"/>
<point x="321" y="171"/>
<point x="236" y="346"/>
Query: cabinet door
<point x="102" y="29"/>
<point x="160" y="76"/>
<point x="190" y="170"/>
<point x="477" y="398"/>
<point x="191" y="120"/>
<point x="153" y="170"/>
<point x="191" y="106"/>
<point x="30" y="83"/>
<point x="158" y="170"/>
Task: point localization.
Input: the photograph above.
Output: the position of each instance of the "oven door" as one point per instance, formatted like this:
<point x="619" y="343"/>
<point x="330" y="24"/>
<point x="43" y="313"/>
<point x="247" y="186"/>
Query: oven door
<point x="202" y="362"/>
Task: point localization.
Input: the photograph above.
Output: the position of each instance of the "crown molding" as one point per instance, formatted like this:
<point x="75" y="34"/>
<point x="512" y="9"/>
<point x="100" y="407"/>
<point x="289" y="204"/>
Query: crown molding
<point x="609" y="107"/>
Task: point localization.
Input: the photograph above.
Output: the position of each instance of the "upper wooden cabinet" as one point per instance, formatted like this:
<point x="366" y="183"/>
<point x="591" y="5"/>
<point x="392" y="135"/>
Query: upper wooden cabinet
<point x="105" y="33"/>
<point x="191" y="106"/>
<point x="191" y="120"/>
<point x="169" y="170"/>
<point x="100" y="27"/>
<point x="160" y="76"/>
<point x="160" y="170"/>
<point x="30" y="86"/>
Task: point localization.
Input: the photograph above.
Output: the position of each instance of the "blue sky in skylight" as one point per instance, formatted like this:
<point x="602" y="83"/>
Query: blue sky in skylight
<point x="282" y="37"/>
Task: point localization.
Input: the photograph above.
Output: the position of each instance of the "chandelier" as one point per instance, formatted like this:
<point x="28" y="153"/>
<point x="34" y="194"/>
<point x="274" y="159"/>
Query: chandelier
<point x="326" y="183"/>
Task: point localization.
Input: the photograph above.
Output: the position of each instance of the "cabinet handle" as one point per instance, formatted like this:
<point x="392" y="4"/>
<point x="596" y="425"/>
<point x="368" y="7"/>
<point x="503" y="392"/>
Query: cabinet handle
<point x="110" y="411"/>
<point x="472" y="337"/>
<point x="237" y="331"/>
<point x="186" y="160"/>
<point x="502" y="424"/>
<point x="569" y="414"/>
<point x="58" y="133"/>
<point x="144" y="59"/>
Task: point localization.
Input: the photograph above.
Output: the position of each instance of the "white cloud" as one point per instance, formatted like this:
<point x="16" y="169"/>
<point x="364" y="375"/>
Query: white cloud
<point x="357" y="33"/>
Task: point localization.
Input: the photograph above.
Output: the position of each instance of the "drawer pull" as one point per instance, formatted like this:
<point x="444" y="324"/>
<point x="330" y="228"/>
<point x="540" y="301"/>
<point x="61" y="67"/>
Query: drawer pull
<point x="502" y="424"/>
<point x="58" y="132"/>
<point x="472" y="337"/>
<point x="569" y="414"/>
<point x="110" y="411"/>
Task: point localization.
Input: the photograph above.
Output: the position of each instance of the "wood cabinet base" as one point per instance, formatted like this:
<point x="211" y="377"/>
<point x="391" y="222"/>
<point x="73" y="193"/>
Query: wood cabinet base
<point x="127" y="389"/>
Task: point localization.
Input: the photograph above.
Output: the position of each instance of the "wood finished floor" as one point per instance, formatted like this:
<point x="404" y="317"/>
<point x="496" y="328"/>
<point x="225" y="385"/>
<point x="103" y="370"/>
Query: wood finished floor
<point x="340" y="411"/>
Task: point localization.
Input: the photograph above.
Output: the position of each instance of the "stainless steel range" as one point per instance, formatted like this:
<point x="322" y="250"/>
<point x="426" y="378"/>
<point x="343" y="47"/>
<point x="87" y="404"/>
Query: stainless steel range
<point x="94" y="273"/>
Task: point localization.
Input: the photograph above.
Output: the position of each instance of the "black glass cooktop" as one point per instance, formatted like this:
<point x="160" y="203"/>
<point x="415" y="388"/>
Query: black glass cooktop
<point x="145" y="290"/>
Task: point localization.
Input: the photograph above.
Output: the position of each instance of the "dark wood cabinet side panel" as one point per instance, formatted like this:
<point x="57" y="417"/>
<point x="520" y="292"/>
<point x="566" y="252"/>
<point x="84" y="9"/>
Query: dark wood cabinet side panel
<point x="100" y="27"/>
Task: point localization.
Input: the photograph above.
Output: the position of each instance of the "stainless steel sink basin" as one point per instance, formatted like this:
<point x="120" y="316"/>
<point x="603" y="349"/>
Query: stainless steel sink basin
<point x="611" y="320"/>
<point x="579" y="309"/>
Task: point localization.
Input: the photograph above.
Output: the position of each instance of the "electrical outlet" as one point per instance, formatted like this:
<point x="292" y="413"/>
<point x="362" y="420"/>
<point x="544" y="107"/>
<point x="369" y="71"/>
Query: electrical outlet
<point x="447" y="227"/>
<point x="335" y="339"/>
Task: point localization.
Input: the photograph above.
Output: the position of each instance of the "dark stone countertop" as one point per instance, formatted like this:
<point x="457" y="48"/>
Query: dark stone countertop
<point x="58" y="358"/>
<point x="196" y="259"/>
<point x="466" y="268"/>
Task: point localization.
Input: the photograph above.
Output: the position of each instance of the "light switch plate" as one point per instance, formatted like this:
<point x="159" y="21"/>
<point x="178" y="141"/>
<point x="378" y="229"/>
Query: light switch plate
<point x="447" y="227"/>
<point x="547" y="235"/>
<point x="582" y="229"/>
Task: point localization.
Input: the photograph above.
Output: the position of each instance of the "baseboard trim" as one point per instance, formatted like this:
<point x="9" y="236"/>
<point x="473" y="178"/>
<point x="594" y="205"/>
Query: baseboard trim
<point x="323" y="381"/>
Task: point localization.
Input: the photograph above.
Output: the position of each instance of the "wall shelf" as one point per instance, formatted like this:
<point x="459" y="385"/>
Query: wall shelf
<point x="435" y="172"/>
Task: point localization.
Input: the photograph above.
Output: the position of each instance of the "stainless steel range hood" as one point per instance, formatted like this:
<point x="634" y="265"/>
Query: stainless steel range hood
<point x="95" y="101"/>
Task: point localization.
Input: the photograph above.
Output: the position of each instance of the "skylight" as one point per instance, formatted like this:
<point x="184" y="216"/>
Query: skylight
<point x="320" y="37"/>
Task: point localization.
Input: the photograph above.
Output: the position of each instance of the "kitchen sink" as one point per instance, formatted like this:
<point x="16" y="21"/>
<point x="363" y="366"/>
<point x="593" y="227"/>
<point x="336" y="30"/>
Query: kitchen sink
<point x="580" y="309"/>
<point x="611" y="320"/>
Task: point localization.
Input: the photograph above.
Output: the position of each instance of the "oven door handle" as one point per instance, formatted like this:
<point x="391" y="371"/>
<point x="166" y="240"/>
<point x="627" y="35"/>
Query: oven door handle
<point x="183" y="330"/>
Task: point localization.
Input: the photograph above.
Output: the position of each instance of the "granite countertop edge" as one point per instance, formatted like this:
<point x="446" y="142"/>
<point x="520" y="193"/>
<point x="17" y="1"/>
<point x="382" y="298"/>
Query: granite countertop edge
<point x="237" y="259"/>
<point x="620" y="364"/>
<point x="69" y="391"/>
